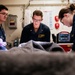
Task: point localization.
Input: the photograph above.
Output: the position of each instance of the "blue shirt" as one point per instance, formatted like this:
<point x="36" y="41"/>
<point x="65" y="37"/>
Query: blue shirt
<point x="2" y="34"/>
<point x="73" y="34"/>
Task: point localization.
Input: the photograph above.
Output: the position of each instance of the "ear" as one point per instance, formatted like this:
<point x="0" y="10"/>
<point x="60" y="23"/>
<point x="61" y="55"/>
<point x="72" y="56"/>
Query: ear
<point x="65" y="15"/>
<point x="41" y="19"/>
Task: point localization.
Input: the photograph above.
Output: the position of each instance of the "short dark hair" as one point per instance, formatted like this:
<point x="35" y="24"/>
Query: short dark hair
<point x="3" y="7"/>
<point x="63" y="11"/>
<point x="38" y="13"/>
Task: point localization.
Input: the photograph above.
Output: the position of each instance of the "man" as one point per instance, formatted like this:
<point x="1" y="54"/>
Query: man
<point x="3" y="17"/>
<point x="36" y="31"/>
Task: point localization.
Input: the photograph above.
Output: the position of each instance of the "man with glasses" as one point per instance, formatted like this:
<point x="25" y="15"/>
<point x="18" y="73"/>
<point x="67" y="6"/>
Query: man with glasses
<point x="36" y="31"/>
<point x="3" y="17"/>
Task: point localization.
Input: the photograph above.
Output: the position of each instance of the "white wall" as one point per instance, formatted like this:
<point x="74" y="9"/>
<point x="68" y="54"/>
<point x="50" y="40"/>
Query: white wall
<point x="13" y="2"/>
<point x="14" y="33"/>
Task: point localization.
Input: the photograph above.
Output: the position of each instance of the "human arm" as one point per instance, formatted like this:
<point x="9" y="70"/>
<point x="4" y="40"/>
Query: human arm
<point x="24" y="36"/>
<point x="47" y="35"/>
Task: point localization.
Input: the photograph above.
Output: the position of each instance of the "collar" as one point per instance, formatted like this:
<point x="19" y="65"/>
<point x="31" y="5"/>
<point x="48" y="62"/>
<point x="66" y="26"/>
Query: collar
<point x="74" y="19"/>
<point x="39" y="30"/>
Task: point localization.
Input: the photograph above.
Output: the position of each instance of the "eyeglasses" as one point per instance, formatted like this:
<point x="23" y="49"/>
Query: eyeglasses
<point x="35" y="20"/>
<point x="5" y="14"/>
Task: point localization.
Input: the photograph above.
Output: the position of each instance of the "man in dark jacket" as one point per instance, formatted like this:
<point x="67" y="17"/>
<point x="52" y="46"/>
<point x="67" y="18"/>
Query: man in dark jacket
<point x="36" y="31"/>
<point x="3" y="17"/>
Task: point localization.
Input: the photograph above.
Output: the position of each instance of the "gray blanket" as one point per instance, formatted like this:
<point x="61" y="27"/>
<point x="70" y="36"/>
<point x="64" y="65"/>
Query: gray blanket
<point x="31" y="59"/>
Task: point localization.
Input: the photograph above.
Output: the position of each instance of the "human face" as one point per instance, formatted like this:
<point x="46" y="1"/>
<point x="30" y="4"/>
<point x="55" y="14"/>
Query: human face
<point x="36" y="21"/>
<point x="66" y="20"/>
<point x="3" y="15"/>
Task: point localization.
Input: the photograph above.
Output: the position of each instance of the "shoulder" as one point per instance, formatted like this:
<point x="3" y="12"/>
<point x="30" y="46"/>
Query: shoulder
<point x="28" y="26"/>
<point x="44" y="26"/>
<point x="2" y="29"/>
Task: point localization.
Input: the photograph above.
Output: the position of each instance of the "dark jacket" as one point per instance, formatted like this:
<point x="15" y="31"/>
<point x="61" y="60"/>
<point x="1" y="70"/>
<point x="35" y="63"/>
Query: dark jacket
<point x="73" y="34"/>
<point x="28" y="33"/>
<point x="2" y="34"/>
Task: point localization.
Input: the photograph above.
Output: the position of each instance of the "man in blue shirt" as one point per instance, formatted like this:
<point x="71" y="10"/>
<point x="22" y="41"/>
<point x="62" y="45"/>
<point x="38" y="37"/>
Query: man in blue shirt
<point x="36" y="31"/>
<point x="3" y="17"/>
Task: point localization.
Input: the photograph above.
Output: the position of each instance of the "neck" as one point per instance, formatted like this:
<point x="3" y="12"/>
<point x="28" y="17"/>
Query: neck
<point x="36" y="30"/>
<point x="72" y="19"/>
<point x="0" y="23"/>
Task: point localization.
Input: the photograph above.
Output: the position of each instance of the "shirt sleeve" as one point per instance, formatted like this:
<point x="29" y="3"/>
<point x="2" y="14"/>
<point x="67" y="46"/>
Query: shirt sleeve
<point x="24" y="36"/>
